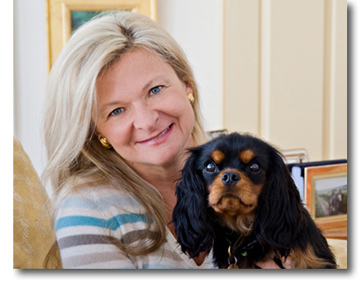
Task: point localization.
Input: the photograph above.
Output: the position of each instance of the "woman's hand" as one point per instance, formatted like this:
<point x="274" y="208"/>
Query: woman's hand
<point x="271" y="264"/>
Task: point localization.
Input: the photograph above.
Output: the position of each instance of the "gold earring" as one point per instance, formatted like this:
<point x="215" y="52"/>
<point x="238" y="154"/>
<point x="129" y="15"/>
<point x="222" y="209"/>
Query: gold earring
<point x="191" y="97"/>
<point x="105" y="143"/>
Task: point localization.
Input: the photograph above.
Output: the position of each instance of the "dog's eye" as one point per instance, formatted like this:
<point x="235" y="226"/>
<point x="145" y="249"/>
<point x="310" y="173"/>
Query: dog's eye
<point x="210" y="167"/>
<point x="254" y="167"/>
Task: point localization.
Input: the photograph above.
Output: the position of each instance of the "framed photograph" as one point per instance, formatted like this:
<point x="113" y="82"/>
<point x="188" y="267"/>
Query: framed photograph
<point x="297" y="169"/>
<point x="65" y="16"/>
<point x="326" y="196"/>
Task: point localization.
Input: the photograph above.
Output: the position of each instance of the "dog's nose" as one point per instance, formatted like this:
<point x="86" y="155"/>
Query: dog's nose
<point x="230" y="178"/>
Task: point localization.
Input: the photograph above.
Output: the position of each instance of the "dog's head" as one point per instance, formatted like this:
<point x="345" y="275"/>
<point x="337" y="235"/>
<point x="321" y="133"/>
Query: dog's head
<point x="234" y="172"/>
<point x="236" y="180"/>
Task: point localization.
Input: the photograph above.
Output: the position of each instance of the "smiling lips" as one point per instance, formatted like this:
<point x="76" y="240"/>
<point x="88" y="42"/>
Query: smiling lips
<point x="156" y="139"/>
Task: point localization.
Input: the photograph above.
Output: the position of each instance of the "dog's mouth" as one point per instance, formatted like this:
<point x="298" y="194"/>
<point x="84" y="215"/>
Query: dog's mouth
<point x="231" y="204"/>
<point x="233" y="196"/>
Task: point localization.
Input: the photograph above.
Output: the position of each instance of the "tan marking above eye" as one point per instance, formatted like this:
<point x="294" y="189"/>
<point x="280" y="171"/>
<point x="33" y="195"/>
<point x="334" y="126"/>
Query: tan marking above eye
<point x="246" y="156"/>
<point x="218" y="156"/>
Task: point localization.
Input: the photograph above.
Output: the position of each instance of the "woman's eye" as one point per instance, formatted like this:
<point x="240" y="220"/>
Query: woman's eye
<point x="155" y="90"/>
<point x="117" y="111"/>
<point x="254" y="167"/>
<point x="210" y="167"/>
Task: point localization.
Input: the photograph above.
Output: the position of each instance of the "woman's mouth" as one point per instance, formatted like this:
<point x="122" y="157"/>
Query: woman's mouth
<point x="158" y="138"/>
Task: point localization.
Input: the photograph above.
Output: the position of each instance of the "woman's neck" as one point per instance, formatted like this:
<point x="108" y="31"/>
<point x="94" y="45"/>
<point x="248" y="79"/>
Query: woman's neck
<point x="164" y="178"/>
<point x="165" y="182"/>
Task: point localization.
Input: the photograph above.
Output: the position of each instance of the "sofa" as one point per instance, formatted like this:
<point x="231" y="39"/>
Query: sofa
<point x="32" y="226"/>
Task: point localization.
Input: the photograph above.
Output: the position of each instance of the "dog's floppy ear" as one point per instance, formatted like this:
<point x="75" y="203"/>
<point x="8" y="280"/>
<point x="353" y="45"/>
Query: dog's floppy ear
<point x="191" y="215"/>
<point x="279" y="207"/>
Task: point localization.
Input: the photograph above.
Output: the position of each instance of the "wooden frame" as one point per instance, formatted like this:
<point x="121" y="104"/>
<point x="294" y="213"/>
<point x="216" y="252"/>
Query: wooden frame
<point x="59" y="17"/>
<point x="334" y="223"/>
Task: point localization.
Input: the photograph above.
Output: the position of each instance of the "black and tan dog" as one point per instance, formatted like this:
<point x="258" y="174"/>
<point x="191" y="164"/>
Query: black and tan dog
<point x="237" y="197"/>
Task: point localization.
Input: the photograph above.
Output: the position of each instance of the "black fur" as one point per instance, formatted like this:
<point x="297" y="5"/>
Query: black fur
<point x="281" y="222"/>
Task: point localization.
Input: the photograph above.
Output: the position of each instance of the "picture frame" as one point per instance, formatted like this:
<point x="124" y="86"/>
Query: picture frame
<point x="59" y="17"/>
<point x="326" y="197"/>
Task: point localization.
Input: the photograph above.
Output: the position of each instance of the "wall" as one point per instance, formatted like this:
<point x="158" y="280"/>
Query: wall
<point x="30" y="71"/>
<point x="285" y="73"/>
<point x="184" y="19"/>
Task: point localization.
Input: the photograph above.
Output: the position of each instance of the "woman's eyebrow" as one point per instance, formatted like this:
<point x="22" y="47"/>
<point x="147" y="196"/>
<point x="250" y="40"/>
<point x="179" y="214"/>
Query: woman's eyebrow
<point x="108" y="105"/>
<point x="155" y="80"/>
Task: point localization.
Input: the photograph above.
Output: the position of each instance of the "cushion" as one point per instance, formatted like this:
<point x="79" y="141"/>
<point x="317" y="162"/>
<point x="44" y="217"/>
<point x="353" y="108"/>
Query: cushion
<point x="33" y="233"/>
<point x="339" y="248"/>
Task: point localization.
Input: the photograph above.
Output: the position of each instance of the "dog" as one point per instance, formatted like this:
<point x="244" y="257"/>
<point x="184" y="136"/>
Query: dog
<point x="236" y="197"/>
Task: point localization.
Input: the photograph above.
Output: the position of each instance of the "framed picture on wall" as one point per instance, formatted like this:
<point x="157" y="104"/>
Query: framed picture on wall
<point x="326" y="195"/>
<point x="65" y="16"/>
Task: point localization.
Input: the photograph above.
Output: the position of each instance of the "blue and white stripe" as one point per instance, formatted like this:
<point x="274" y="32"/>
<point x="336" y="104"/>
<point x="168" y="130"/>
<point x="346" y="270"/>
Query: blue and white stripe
<point x="90" y="221"/>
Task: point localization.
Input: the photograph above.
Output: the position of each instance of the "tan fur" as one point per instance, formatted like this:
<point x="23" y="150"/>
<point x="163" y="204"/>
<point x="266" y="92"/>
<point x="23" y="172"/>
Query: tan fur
<point x="218" y="156"/>
<point x="306" y="259"/>
<point x="236" y="204"/>
<point x="239" y="223"/>
<point x="246" y="156"/>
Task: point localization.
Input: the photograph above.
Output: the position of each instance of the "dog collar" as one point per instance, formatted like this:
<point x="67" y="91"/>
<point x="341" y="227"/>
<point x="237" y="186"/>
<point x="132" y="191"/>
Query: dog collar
<point x="242" y="250"/>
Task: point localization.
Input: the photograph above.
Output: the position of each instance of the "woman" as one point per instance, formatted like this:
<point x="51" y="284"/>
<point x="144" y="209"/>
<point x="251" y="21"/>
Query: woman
<point x="121" y="109"/>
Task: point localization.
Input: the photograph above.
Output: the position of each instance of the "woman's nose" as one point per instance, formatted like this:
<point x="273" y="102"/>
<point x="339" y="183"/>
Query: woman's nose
<point x="145" y="117"/>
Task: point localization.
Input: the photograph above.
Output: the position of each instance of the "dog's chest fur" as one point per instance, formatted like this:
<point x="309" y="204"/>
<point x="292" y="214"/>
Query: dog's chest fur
<point x="230" y="248"/>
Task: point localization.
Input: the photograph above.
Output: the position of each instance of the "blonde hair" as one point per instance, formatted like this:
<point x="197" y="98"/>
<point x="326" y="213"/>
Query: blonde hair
<point x="76" y="158"/>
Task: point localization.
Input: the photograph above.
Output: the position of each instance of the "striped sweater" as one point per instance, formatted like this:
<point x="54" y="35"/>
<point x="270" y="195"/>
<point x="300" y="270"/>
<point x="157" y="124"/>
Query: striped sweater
<point x="87" y="222"/>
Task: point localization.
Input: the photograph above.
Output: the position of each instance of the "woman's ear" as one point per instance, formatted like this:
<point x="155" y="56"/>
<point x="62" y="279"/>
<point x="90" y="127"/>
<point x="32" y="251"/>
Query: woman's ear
<point x="97" y="133"/>
<point x="189" y="89"/>
<point x="190" y="216"/>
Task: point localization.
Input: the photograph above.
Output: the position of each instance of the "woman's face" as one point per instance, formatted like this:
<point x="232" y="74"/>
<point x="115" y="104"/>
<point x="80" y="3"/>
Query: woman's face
<point x="143" y="110"/>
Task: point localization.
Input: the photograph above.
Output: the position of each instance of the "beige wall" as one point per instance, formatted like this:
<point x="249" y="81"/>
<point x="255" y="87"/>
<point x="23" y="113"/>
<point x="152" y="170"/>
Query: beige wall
<point x="285" y="73"/>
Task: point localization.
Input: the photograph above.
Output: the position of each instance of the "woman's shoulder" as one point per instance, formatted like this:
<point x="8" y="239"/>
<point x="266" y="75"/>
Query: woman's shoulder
<point x="100" y="207"/>
<point x="99" y="203"/>
<point x="100" y="198"/>
<point x="91" y="221"/>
